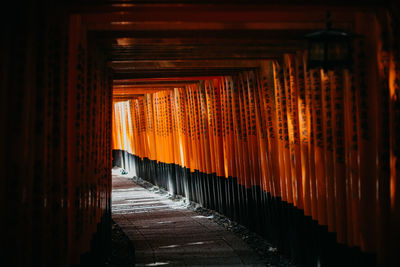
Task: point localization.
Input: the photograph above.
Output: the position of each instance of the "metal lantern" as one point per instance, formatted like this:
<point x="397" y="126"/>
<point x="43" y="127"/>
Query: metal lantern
<point x="329" y="48"/>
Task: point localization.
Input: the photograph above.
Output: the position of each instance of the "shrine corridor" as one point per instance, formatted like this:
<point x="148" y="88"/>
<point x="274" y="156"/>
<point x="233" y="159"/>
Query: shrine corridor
<point x="282" y="116"/>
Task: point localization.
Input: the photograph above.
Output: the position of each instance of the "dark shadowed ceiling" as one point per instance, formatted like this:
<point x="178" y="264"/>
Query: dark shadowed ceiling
<point x="165" y="44"/>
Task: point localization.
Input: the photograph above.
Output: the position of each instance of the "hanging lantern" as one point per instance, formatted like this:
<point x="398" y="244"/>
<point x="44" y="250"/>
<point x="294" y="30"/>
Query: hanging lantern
<point x="330" y="48"/>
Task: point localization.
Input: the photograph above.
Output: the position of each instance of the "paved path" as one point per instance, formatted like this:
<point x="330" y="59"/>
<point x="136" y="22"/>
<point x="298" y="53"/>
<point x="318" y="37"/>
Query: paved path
<point x="165" y="233"/>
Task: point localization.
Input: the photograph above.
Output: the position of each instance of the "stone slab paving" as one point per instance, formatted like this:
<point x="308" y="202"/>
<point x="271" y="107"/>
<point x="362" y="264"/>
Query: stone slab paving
<point x="166" y="233"/>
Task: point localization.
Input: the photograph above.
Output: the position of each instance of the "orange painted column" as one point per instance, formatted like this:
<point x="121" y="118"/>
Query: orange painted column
<point x="231" y="136"/>
<point x="394" y="120"/>
<point x="286" y="191"/>
<point x="281" y="100"/>
<point x="218" y="119"/>
<point x="383" y="139"/>
<point x="237" y="132"/>
<point x="187" y="127"/>
<point x="225" y="126"/>
<point x="291" y="91"/>
<point x="142" y="129"/>
<point x="317" y="128"/>
<point x="244" y="118"/>
<point x="312" y="137"/>
<point x="190" y="128"/>
<point x="339" y="167"/>
<point x="199" y="160"/>
<point x="247" y="130"/>
<point x="252" y="130"/>
<point x="327" y="135"/>
<point x="74" y="42"/>
<point x="206" y="132"/>
<point x="366" y="84"/>
<point x="171" y="143"/>
<point x="152" y="128"/>
<point x="271" y="113"/>
<point x="352" y="171"/>
<point x="211" y="126"/>
<point x="262" y="134"/>
<point x="202" y="118"/>
<point x="304" y="132"/>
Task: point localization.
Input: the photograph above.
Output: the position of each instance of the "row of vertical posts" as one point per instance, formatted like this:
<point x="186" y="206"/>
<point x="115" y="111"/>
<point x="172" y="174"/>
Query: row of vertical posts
<point x="313" y="153"/>
<point x="55" y="140"/>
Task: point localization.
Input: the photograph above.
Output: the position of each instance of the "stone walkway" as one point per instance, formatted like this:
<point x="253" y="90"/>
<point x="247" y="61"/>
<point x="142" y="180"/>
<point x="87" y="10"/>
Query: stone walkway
<point x="166" y="233"/>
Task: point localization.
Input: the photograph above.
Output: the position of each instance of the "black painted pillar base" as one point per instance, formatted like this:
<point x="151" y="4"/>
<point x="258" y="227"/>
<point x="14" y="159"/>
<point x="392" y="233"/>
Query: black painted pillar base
<point x="100" y="245"/>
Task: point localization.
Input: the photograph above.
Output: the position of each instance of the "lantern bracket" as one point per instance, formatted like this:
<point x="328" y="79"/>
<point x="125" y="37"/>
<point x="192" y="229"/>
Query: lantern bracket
<point x="330" y="48"/>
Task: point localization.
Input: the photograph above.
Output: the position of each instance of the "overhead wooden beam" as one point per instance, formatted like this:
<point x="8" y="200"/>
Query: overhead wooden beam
<point x="149" y="84"/>
<point x="168" y="83"/>
<point x="239" y="44"/>
<point x="295" y="36"/>
<point x="200" y="63"/>
<point x="214" y="56"/>
<point x="123" y="39"/>
<point x="214" y="13"/>
<point x="165" y="79"/>
<point x="84" y="6"/>
<point x="139" y="91"/>
<point x="125" y="98"/>
<point x="209" y="36"/>
<point x="179" y="73"/>
<point x="196" y="26"/>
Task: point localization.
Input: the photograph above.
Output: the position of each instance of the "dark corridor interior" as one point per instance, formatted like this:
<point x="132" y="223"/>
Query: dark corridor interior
<point x="221" y="102"/>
